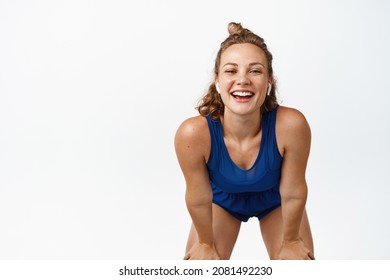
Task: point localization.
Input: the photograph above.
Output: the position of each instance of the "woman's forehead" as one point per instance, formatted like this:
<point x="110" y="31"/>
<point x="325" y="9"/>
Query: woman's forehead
<point x="243" y="53"/>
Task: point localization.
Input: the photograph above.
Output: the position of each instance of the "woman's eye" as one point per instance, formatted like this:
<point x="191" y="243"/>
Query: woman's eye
<point x="256" y="71"/>
<point x="231" y="71"/>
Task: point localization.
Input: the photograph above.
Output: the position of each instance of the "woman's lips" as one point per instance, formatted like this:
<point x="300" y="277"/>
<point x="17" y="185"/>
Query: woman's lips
<point x="242" y="95"/>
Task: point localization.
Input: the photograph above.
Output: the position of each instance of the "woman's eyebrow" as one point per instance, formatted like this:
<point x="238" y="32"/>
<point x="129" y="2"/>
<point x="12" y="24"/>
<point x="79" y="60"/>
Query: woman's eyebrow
<point x="250" y="64"/>
<point x="256" y="63"/>
<point x="230" y="64"/>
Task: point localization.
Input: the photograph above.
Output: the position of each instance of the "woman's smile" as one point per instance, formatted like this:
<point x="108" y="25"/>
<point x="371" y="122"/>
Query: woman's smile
<point x="242" y="96"/>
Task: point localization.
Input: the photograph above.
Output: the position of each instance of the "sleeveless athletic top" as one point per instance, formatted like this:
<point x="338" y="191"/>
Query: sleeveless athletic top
<point x="245" y="192"/>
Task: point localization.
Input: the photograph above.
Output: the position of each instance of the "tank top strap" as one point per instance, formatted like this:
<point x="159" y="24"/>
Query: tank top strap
<point x="215" y="128"/>
<point x="271" y="148"/>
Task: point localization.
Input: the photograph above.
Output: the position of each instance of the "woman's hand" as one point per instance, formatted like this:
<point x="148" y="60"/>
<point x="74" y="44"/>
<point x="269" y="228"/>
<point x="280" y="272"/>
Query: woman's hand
<point x="295" y="250"/>
<point x="202" y="252"/>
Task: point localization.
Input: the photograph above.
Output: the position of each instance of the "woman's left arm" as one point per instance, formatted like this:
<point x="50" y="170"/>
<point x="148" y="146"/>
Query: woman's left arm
<point x="296" y="138"/>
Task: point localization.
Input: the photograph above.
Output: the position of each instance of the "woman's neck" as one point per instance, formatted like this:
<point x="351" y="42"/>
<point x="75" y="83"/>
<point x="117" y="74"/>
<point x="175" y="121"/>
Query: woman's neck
<point x="241" y="127"/>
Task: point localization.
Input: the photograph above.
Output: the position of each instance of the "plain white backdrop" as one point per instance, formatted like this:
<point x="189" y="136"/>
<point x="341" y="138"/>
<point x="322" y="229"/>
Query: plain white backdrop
<point x="92" y="92"/>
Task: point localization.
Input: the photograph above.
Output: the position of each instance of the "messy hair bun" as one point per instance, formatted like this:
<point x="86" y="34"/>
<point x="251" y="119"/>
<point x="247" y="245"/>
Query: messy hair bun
<point x="235" y="28"/>
<point x="211" y="104"/>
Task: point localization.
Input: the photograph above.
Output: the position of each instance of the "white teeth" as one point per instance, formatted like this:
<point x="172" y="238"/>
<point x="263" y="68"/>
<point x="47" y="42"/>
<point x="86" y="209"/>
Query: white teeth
<point x="242" y="93"/>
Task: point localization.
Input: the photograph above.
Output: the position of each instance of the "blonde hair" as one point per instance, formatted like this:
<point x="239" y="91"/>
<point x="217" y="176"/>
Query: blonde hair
<point x="211" y="104"/>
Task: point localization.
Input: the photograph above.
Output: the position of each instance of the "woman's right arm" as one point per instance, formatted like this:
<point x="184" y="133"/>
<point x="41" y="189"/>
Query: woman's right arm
<point x="192" y="144"/>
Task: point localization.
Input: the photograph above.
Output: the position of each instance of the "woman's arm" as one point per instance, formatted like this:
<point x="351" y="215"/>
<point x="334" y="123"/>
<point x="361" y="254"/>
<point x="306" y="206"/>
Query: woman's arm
<point x="192" y="144"/>
<point x="296" y="138"/>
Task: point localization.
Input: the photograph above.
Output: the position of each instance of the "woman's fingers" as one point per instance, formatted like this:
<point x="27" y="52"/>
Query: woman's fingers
<point x="187" y="256"/>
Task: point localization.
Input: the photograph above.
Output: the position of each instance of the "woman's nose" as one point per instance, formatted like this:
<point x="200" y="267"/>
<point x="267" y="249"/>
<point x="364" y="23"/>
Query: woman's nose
<point x="242" y="79"/>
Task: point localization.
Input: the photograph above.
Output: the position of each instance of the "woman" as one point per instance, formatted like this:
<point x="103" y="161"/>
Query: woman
<point x="245" y="156"/>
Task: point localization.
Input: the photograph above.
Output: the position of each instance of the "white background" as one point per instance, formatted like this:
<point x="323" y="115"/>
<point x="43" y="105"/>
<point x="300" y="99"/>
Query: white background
<point x="92" y="92"/>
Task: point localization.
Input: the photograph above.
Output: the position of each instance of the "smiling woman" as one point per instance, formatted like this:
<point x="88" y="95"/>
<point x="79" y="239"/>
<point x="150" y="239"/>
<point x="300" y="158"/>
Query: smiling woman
<point x="245" y="156"/>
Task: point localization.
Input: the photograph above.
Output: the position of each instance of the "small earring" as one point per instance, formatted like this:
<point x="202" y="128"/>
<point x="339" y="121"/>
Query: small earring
<point x="217" y="88"/>
<point x="269" y="89"/>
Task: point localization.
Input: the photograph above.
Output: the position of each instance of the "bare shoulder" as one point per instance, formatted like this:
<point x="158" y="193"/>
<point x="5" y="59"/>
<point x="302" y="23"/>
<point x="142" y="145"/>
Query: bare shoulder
<point x="291" y="127"/>
<point x="290" y="118"/>
<point x="193" y="136"/>
<point x="193" y="129"/>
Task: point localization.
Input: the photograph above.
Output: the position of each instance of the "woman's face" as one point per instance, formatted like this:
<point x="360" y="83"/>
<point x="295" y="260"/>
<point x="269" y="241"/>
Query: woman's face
<point x="243" y="78"/>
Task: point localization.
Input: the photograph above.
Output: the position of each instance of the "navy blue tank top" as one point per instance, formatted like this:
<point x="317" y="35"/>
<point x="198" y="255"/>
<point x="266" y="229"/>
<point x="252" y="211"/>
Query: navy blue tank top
<point x="227" y="177"/>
